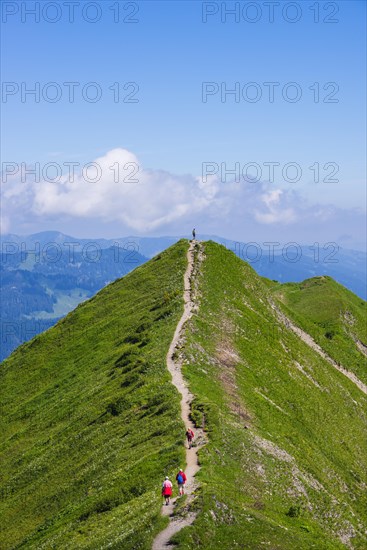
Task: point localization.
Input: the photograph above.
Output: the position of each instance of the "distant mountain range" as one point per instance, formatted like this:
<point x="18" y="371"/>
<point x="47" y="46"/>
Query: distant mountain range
<point x="47" y="274"/>
<point x="38" y="288"/>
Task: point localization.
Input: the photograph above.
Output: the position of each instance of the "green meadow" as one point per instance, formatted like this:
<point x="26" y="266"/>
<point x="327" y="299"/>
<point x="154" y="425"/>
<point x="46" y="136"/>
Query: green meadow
<point x="285" y="465"/>
<point x="90" y="421"/>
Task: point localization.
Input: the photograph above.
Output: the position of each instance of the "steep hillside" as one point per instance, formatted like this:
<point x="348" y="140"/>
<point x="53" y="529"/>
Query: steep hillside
<point x="335" y="317"/>
<point x="286" y="459"/>
<point x="90" y="421"/>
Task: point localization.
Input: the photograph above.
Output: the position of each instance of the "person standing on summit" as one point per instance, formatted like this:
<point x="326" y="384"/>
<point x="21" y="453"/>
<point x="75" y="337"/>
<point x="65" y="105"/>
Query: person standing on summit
<point x="193" y="234"/>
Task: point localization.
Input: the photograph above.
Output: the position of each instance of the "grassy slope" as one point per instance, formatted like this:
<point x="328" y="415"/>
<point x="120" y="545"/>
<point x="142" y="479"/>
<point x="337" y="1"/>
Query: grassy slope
<point x="88" y="431"/>
<point x="296" y="477"/>
<point x="90" y="420"/>
<point x="333" y="315"/>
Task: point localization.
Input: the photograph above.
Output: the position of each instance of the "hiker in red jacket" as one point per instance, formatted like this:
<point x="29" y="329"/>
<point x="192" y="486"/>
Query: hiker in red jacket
<point x="167" y="490"/>
<point x="181" y="480"/>
<point x="190" y="437"/>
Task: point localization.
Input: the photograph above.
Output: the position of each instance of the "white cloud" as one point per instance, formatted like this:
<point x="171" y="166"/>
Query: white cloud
<point x="4" y="225"/>
<point x="163" y="202"/>
<point x="141" y="199"/>
<point x="274" y="209"/>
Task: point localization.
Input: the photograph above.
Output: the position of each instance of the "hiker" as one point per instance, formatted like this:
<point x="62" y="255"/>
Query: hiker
<point x="181" y="480"/>
<point x="190" y="437"/>
<point x="167" y="490"/>
<point x="193" y="234"/>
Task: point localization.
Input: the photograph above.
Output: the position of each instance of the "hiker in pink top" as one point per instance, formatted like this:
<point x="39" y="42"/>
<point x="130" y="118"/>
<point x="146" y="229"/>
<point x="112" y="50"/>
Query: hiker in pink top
<point x="181" y="480"/>
<point x="167" y="490"/>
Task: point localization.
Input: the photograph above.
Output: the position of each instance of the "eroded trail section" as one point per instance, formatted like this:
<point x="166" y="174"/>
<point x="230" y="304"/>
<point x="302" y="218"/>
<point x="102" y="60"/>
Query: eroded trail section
<point x="307" y="339"/>
<point x="174" y="366"/>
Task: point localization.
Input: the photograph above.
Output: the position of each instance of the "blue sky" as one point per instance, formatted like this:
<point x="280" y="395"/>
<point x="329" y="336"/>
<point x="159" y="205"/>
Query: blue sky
<point x="169" y="53"/>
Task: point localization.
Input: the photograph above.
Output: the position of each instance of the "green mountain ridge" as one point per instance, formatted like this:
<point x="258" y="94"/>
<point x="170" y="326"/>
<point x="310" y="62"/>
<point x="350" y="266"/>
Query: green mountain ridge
<point x="91" y="423"/>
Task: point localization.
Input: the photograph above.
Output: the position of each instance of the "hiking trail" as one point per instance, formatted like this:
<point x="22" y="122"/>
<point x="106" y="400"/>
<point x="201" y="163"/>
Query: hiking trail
<point x="177" y="523"/>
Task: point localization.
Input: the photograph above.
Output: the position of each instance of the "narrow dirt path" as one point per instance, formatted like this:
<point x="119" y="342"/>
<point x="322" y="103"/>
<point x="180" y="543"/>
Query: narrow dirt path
<point x="174" y="366"/>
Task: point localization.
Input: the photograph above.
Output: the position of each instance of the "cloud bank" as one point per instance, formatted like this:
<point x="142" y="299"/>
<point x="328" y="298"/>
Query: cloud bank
<point x="116" y="188"/>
